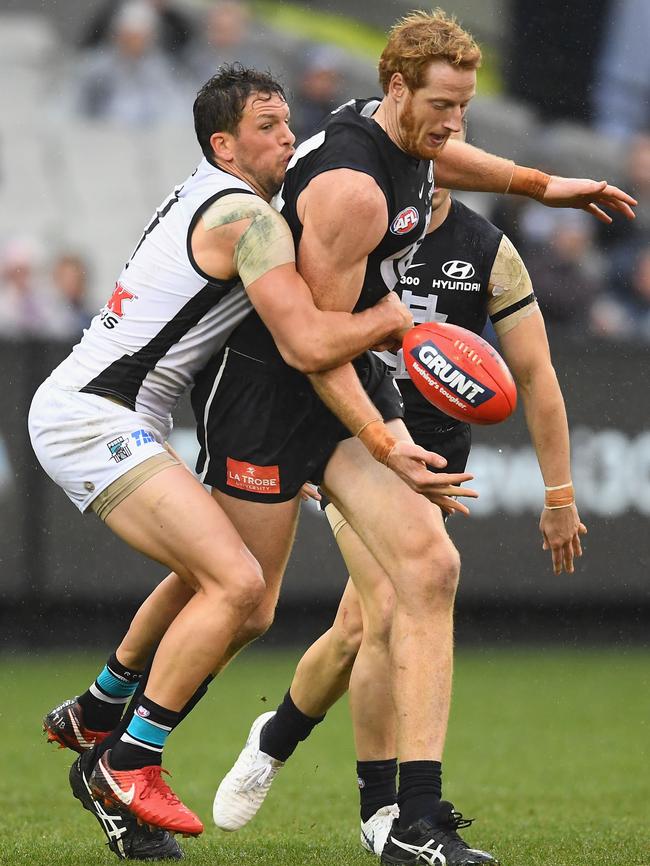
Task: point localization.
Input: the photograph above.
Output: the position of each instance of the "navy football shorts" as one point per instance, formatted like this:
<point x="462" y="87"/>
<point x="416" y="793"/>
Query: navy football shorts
<point x="263" y="431"/>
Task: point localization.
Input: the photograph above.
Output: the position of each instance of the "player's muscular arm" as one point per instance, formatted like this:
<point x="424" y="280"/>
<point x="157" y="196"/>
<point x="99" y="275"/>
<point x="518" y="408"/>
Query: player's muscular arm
<point x="242" y="235"/>
<point x="525" y="349"/>
<point x="462" y="166"/>
<point x="344" y="216"/>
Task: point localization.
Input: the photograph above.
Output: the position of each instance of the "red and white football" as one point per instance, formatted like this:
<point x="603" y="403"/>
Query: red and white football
<point x="459" y="372"/>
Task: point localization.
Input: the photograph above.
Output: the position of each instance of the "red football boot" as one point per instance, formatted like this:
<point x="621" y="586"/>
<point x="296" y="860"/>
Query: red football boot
<point x="145" y="795"/>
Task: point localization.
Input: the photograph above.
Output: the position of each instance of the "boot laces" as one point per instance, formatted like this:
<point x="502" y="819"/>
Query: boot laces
<point x="155" y="784"/>
<point x="454" y="822"/>
<point x="259" y="776"/>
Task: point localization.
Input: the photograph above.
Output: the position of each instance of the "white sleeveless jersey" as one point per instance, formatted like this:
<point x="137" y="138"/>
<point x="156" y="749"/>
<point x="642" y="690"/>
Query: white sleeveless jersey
<point x="166" y="316"/>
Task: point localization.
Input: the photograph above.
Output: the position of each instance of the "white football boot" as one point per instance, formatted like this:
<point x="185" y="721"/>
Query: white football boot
<point x="374" y="831"/>
<point x="245" y="786"/>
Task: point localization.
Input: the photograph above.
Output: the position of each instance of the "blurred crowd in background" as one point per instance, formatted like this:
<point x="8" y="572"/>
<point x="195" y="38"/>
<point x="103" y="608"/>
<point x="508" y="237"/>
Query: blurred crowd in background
<point x="95" y="131"/>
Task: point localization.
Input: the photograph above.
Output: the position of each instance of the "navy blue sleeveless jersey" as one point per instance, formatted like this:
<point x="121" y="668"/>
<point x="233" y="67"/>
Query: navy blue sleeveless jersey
<point x="448" y="281"/>
<point x="351" y="139"/>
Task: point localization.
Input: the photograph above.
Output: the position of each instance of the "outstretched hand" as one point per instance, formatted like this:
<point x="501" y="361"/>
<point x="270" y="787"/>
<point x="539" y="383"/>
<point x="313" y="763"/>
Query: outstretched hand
<point x="410" y="462"/>
<point x="588" y="195"/>
<point x="561" y="530"/>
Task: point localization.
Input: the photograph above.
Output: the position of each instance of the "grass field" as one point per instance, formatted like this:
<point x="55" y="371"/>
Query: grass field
<point x="550" y="750"/>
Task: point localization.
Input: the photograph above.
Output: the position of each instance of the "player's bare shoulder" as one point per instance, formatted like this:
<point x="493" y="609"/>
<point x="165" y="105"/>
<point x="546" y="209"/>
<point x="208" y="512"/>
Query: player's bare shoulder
<point x="347" y="205"/>
<point x="243" y="234"/>
<point x="234" y="207"/>
<point x="511" y="296"/>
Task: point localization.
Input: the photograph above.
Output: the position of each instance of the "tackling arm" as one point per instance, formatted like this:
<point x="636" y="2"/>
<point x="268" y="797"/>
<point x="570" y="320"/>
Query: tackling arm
<point x="243" y="235"/>
<point x="462" y="166"/>
<point x="344" y="217"/>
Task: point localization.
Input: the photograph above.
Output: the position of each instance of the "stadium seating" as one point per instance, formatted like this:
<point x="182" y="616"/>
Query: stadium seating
<point x="94" y="186"/>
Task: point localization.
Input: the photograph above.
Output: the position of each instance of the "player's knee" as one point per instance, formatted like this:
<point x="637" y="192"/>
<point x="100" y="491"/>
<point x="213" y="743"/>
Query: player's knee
<point x="434" y="579"/>
<point x="257" y="624"/>
<point x="245" y="589"/>
<point x="346" y="635"/>
<point x="441" y="581"/>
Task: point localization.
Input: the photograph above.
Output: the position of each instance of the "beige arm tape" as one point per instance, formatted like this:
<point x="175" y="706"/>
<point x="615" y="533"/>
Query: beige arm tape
<point x="509" y="283"/>
<point x="264" y="244"/>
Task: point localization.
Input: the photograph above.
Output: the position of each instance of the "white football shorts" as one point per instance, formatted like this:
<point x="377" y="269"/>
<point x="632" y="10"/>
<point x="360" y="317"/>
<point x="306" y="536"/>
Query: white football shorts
<point x="85" y="442"/>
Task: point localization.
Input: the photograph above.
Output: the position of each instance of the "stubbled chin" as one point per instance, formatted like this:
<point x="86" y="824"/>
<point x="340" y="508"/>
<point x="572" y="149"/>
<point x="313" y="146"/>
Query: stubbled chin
<point x="429" y="152"/>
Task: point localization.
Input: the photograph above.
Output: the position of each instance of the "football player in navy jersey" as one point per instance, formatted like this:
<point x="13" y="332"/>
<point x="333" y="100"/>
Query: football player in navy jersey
<point x="355" y="197"/>
<point x="353" y="652"/>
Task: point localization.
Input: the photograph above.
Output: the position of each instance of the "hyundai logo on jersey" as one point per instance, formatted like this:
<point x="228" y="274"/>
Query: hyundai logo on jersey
<point x="447" y="376"/>
<point x="405" y="221"/>
<point x="458" y="270"/>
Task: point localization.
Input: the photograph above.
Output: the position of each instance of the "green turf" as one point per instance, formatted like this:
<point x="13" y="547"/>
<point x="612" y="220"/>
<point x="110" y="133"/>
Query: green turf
<point x="549" y="749"/>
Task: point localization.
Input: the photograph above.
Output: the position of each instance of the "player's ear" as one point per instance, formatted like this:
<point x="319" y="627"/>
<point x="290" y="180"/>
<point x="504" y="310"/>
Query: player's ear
<point x="221" y="143"/>
<point x="397" y="86"/>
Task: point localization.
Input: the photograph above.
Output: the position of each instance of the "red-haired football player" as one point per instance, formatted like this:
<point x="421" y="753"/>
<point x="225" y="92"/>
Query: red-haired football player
<point x="349" y="655"/>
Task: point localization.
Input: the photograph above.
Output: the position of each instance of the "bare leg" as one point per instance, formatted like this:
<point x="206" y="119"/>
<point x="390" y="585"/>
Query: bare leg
<point x="151" y="621"/>
<point x="172" y="519"/>
<point x="422" y="565"/>
<point x="268" y="531"/>
<point x="323" y="673"/>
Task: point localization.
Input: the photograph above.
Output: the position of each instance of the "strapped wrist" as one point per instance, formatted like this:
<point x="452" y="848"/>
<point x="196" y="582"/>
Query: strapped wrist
<point x="528" y="181"/>
<point x="559" y="496"/>
<point x="377" y="439"/>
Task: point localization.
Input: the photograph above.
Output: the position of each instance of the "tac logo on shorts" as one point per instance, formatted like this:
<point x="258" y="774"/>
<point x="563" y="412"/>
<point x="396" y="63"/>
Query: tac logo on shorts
<point x="248" y="476"/>
<point x="142" y="437"/>
<point x="119" y="449"/>
<point x="142" y="712"/>
<point x="405" y="220"/>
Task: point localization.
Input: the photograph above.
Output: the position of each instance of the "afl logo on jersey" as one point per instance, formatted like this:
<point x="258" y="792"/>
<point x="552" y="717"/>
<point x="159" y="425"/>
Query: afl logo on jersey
<point x="457" y="270"/>
<point x="405" y="221"/>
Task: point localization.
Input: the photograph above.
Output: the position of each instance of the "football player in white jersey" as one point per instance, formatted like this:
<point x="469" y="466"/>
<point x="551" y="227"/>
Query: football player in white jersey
<point x="99" y="423"/>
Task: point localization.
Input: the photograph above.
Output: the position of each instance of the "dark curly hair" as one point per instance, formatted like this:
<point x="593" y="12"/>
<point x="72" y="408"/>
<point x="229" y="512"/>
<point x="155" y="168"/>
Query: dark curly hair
<point x="220" y="102"/>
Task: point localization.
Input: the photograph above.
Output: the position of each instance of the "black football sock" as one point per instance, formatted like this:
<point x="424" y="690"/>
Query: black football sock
<point x="420" y="789"/>
<point x="377" y="782"/>
<point x="141" y="745"/>
<point x="116" y="734"/>
<point x="104" y="702"/>
<point x="288" y="727"/>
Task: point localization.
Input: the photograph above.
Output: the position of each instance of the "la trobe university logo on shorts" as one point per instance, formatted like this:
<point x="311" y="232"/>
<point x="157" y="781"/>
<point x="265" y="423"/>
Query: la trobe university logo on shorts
<point x="248" y="476"/>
